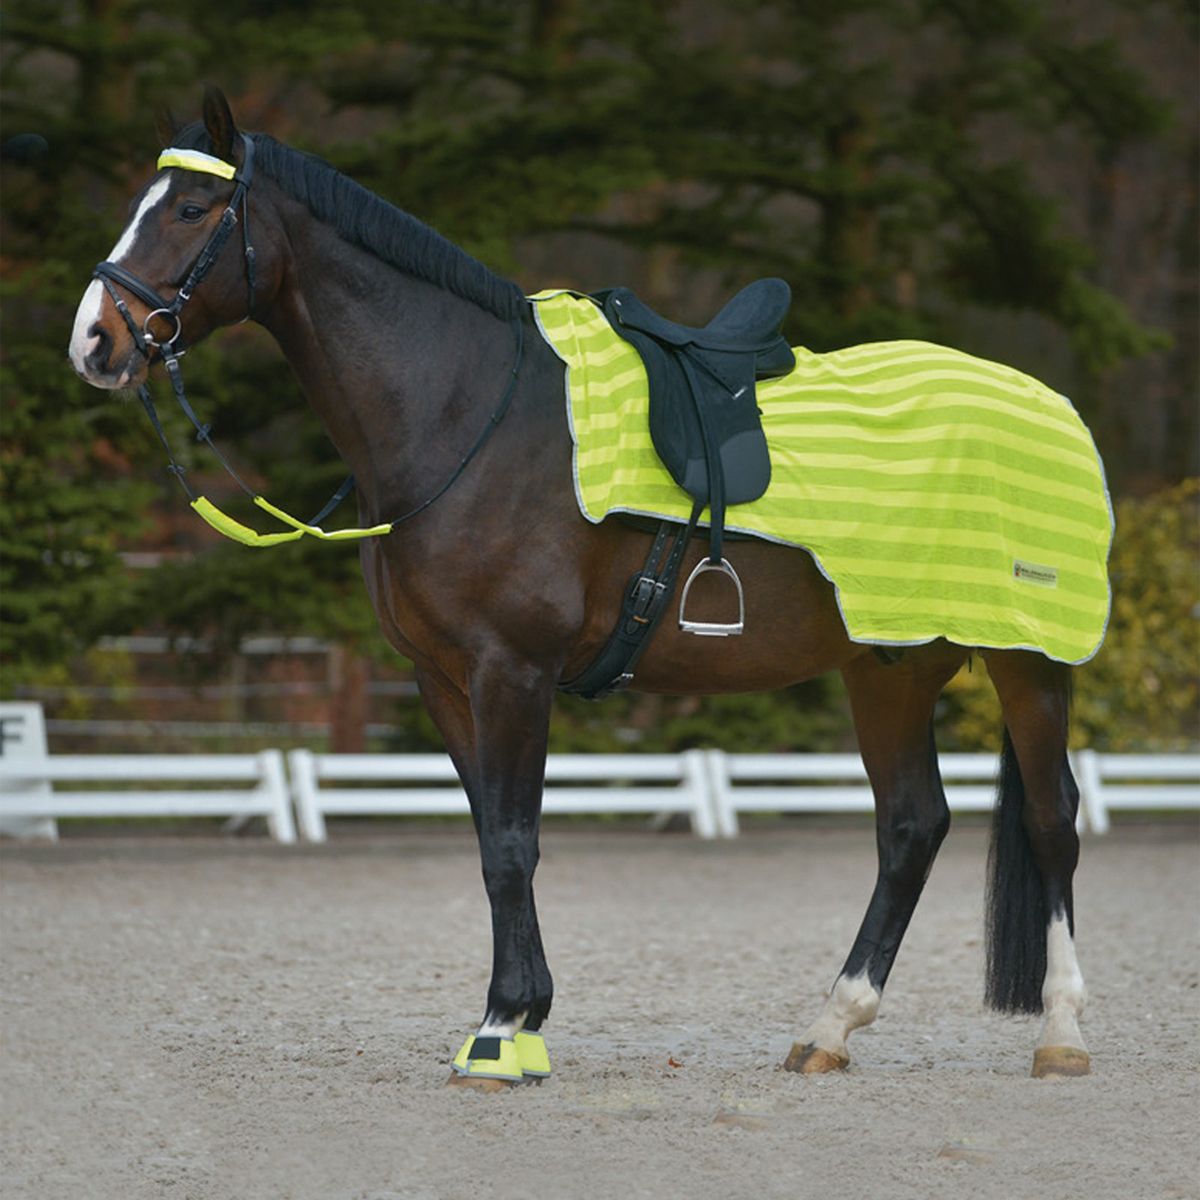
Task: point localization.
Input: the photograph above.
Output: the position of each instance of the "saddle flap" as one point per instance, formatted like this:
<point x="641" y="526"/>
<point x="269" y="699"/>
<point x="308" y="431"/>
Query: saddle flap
<point x="704" y="418"/>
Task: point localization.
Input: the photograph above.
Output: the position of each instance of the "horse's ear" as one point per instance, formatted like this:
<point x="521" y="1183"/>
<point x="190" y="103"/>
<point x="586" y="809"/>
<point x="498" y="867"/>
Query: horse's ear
<point x="166" y="127"/>
<point x="218" y="120"/>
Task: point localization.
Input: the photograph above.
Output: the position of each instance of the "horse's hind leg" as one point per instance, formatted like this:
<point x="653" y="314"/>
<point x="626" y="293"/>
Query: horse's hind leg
<point x="1031" y="919"/>
<point x="893" y="716"/>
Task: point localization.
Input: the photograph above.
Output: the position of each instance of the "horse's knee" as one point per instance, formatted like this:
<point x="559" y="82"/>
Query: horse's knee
<point x="908" y="844"/>
<point x="509" y="860"/>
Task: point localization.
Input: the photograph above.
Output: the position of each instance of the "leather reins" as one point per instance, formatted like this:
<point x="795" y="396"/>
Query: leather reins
<point x="112" y="275"/>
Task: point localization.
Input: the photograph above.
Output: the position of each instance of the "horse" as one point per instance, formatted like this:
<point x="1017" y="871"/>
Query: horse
<point x="498" y="591"/>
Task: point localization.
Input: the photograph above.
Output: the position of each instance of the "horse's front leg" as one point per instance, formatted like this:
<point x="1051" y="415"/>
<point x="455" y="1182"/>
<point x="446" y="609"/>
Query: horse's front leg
<point x="496" y="730"/>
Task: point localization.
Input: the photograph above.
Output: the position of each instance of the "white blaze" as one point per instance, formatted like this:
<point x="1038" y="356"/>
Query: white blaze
<point x="82" y="341"/>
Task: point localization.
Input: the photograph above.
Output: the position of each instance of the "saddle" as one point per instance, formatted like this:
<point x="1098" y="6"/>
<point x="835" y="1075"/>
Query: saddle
<point x="704" y="421"/>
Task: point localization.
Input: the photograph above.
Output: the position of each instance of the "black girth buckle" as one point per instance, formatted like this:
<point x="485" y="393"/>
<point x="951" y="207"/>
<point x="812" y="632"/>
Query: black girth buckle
<point x="643" y="604"/>
<point x="645" y="599"/>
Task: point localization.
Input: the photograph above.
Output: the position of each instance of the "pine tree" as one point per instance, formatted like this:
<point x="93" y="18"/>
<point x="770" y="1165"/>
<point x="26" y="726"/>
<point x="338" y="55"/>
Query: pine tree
<point x="893" y="159"/>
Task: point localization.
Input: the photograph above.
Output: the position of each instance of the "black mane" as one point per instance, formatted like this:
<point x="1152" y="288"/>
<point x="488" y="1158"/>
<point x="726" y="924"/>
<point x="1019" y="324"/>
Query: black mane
<point x="366" y="220"/>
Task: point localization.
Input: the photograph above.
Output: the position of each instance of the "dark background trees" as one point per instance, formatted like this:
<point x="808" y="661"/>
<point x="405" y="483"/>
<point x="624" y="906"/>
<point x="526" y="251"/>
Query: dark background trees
<point x="1015" y="177"/>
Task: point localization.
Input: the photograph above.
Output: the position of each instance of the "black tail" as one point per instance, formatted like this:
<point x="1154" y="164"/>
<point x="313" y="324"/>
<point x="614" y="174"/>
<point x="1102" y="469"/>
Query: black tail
<point x="1015" y="905"/>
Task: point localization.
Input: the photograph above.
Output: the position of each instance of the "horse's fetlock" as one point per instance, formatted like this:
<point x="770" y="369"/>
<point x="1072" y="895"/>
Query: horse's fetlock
<point x="857" y="999"/>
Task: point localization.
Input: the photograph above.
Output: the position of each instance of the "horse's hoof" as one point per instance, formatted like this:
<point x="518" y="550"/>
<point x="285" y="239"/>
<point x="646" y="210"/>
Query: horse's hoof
<point x="1050" y="1062"/>
<point x="481" y="1084"/>
<point x="807" y="1059"/>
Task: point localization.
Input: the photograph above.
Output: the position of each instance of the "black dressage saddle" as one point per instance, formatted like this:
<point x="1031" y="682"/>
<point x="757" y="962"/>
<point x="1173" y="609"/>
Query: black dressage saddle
<point x="704" y="419"/>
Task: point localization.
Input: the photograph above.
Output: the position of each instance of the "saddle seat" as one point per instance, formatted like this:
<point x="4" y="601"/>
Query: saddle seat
<point x="749" y="322"/>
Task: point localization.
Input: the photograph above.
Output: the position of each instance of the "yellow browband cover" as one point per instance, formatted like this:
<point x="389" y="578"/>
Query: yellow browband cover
<point x="225" y="524"/>
<point x="196" y="160"/>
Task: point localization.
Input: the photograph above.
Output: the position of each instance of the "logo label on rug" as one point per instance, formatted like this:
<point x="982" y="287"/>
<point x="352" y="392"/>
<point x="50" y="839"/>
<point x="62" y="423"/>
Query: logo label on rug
<point x="1035" y="573"/>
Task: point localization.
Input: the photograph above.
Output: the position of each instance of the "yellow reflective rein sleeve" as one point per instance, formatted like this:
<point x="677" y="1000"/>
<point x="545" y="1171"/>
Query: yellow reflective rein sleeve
<point x="337" y="535"/>
<point x="224" y="524"/>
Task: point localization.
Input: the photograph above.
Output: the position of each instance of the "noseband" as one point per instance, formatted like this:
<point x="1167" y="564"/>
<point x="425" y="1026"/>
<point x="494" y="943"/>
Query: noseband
<point x="111" y="275"/>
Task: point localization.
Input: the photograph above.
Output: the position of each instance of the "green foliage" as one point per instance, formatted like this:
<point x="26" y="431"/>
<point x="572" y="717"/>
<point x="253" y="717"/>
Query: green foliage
<point x="886" y="156"/>
<point x="1142" y="690"/>
<point x="810" y="716"/>
<point x="68" y="507"/>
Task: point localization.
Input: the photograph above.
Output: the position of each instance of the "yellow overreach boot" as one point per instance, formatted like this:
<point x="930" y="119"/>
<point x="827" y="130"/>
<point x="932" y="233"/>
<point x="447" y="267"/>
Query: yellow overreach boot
<point x="489" y="1058"/>
<point x="532" y="1054"/>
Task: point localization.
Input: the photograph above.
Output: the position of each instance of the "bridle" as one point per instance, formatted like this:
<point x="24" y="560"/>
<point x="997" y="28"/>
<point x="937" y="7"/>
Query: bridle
<point x="112" y="275"/>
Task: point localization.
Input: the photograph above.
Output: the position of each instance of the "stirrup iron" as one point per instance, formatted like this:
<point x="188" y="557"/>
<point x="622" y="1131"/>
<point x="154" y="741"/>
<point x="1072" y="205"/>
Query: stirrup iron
<point x="713" y="628"/>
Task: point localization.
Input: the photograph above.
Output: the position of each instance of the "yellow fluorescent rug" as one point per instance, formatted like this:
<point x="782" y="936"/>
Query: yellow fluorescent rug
<point x="943" y="495"/>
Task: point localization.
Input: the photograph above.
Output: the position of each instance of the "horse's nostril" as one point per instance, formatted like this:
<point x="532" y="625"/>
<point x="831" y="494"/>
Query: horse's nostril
<point x="97" y="356"/>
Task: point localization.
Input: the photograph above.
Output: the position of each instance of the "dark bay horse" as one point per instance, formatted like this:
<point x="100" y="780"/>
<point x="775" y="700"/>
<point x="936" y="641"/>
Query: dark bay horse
<point x="500" y="590"/>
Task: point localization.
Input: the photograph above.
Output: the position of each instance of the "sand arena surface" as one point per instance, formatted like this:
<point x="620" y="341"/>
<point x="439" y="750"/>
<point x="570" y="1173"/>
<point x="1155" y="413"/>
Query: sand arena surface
<point x="213" y="1020"/>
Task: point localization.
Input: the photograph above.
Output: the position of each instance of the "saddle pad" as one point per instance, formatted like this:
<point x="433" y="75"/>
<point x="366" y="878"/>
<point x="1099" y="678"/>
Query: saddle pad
<point x="942" y="495"/>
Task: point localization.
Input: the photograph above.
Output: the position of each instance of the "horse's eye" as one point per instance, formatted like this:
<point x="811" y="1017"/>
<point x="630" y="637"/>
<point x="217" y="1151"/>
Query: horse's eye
<point x="192" y="213"/>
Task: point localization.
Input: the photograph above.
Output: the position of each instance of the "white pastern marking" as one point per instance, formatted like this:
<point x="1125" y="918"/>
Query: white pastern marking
<point x="491" y="1027"/>
<point x="853" y="1003"/>
<point x="1063" y="991"/>
<point x="83" y="342"/>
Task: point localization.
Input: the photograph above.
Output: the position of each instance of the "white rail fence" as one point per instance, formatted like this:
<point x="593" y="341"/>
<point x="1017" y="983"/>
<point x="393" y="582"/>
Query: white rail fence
<point x="831" y="783"/>
<point x="263" y="791"/>
<point x="426" y="785"/>
<point x="1143" y="782"/>
<point x="710" y="787"/>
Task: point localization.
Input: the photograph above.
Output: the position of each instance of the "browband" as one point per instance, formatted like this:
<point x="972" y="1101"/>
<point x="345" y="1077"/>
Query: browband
<point x="196" y="160"/>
